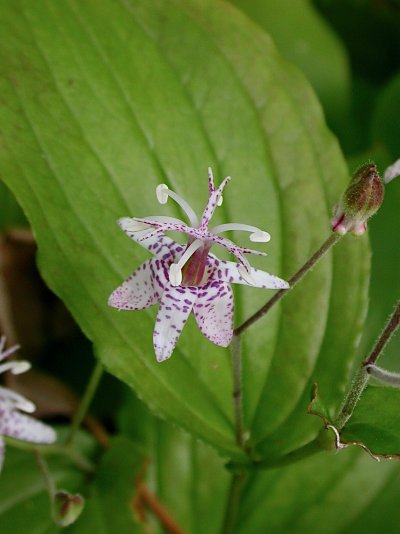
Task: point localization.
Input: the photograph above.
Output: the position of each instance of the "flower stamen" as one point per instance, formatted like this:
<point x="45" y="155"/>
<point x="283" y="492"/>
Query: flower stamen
<point x="17" y="400"/>
<point x="246" y="275"/>
<point x="163" y="192"/>
<point x="15" y="367"/>
<point x="257" y="235"/>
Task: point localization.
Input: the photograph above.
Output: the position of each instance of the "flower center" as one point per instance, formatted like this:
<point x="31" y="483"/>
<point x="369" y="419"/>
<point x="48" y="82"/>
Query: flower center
<point x="189" y="270"/>
<point x="194" y="269"/>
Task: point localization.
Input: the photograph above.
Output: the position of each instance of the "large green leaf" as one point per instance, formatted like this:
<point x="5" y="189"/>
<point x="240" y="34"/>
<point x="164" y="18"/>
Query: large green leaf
<point x="181" y="470"/>
<point x="384" y="128"/>
<point x="304" y="38"/>
<point x="323" y="493"/>
<point x="110" y="502"/>
<point x="10" y="213"/>
<point x="327" y="492"/>
<point x="376" y="421"/>
<point x="107" y="99"/>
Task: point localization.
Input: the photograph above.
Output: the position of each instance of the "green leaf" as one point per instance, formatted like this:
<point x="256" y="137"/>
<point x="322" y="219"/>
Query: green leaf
<point x="104" y="101"/>
<point x="10" y="213"/>
<point x="376" y="421"/>
<point x="110" y="502"/>
<point x="385" y="128"/>
<point x="25" y="505"/>
<point x="181" y="469"/>
<point x="323" y="493"/>
<point x="304" y="38"/>
<point x="297" y="498"/>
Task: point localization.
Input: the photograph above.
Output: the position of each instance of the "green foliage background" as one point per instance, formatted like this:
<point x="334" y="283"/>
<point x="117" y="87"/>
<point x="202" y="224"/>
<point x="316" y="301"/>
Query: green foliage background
<point x="101" y="101"/>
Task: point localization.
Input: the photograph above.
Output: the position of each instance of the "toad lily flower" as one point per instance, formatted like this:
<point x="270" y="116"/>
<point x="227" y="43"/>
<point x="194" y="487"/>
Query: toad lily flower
<point x="12" y="422"/>
<point x="185" y="279"/>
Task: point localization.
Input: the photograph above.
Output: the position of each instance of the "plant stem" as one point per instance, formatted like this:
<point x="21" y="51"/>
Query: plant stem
<point x="390" y="328"/>
<point x="308" y="265"/>
<point x="361" y="379"/>
<point x="62" y="450"/>
<point x="44" y="470"/>
<point x="85" y="402"/>
<point x="237" y="390"/>
<point x="232" y="505"/>
<point x="159" y="510"/>
<point x="238" y="478"/>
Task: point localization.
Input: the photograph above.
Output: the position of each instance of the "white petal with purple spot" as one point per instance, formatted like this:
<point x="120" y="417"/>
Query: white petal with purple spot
<point x="213" y="311"/>
<point x="161" y="246"/>
<point x="136" y="292"/>
<point x="23" y="427"/>
<point x="175" y="307"/>
<point x="228" y="271"/>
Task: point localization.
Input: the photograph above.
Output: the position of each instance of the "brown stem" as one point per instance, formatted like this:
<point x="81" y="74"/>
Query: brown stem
<point x="144" y="496"/>
<point x="389" y="330"/>
<point x="309" y="264"/>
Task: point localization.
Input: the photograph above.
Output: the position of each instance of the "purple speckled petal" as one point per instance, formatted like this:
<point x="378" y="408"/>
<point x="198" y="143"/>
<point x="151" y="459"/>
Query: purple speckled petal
<point x="136" y="292"/>
<point x="2" y="450"/>
<point x="227" y="271"/>
<point x="214" y="312"/>
<point x="20" y="426"/>
<point x="160" y="246"/>
<point x="212" y="202"/>
<point x="175" y="307"/>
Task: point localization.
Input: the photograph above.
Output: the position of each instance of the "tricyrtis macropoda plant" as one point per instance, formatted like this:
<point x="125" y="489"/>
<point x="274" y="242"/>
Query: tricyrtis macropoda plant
<point x="87" y="133"/>
<point x="143" y="142"/>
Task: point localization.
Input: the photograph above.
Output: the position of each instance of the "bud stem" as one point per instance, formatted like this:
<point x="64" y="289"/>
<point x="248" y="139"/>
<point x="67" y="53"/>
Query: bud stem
<point x="85" y="402"/>
<point x="237" y="390"/>
<point x="60" y="450"/>
<point x="44" y="470"/>
<point x="296" y="278"/>
<point x="361" y="379"/>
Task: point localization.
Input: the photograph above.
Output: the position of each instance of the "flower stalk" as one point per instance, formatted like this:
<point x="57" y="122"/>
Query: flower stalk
<point x="237" y="390"/>
<point x="87" y="398"/>
<point x="293" y="281"/>
<point x="232" y="505"/>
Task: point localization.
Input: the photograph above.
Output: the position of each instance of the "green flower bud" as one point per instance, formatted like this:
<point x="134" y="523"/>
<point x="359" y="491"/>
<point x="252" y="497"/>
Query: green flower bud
<point x="67" y="508"/>
<point x="361" y="200"/>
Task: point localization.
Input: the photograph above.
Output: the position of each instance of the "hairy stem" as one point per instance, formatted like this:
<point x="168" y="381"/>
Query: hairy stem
<point x="237" y="390"/>
<point x="294" y="280"/>
<point x="361" y="379"/>
<point x="232" y="505"/>
<point x="86" y="400"/>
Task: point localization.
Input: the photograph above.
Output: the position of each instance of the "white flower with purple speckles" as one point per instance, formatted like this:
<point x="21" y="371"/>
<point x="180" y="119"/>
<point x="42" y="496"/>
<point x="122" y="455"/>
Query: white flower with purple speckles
<point x="185" y="279"/>
<point x="12" y="422"/>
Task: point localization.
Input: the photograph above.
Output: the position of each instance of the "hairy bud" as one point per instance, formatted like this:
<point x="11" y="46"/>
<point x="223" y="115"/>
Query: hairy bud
<point x="361" y="200"/>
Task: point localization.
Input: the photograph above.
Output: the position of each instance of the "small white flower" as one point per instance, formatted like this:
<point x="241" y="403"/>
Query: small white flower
<point x="189" y="279"/>
<point x="12" y="422"/>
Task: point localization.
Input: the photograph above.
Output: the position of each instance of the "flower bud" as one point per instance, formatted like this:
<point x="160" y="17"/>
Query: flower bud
<point x="361" y="200"/>
<point x="67" y="508"/>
